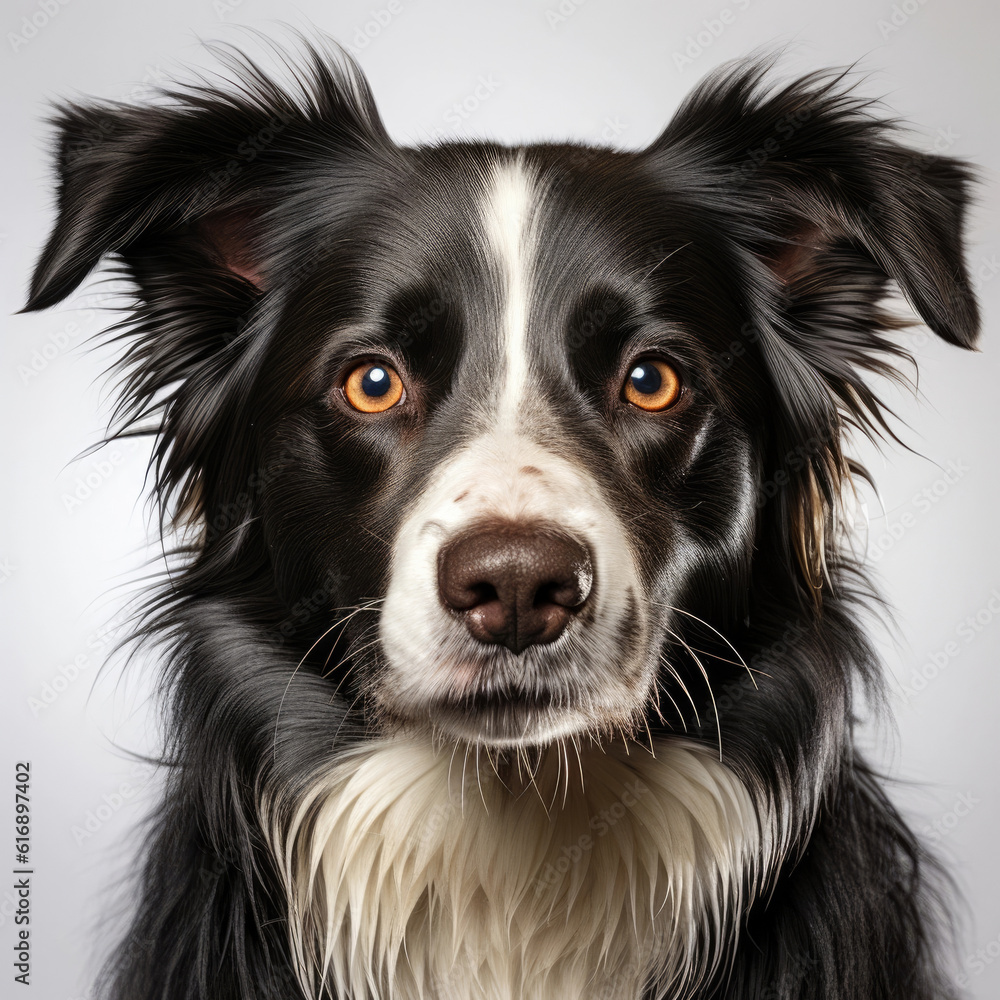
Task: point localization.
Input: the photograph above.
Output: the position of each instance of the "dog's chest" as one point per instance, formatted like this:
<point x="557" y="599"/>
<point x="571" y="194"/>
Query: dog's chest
<point x="408" y="881"/>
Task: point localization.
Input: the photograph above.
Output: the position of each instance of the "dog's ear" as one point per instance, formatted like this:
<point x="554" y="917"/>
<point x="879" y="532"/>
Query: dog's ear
<point x="134" y="178"/>
<point x="194" y="172"/>
<point x="825" y="207"/>
<point x="185" y="194"/>
<point x="808" y="170"/>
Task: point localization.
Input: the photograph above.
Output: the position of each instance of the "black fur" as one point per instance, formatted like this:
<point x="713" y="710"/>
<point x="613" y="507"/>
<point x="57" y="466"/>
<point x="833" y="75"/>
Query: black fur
<point x="767" y="225"/>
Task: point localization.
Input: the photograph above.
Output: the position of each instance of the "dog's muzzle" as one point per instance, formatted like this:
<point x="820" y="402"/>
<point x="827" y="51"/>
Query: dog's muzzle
<point x="514" y="612"/>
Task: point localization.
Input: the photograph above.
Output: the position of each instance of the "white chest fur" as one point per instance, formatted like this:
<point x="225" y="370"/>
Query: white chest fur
<point x="406" y="881"/>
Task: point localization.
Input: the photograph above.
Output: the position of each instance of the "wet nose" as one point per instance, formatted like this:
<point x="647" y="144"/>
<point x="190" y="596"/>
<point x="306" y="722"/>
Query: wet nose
<point x="515" y="585"/>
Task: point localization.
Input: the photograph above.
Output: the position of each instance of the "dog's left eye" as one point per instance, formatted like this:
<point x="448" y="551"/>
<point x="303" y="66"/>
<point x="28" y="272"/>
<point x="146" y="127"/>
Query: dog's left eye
<point x="373" y="387"/>
<point x="652" y="385"/>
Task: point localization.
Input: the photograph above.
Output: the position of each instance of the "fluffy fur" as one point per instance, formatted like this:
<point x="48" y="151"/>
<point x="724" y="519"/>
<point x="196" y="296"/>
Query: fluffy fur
<point x="405" y="883"/>
<point x="321" y="833"/>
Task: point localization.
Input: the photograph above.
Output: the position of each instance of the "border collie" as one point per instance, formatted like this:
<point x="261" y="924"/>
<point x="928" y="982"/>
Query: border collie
<point x="513" y="641"/>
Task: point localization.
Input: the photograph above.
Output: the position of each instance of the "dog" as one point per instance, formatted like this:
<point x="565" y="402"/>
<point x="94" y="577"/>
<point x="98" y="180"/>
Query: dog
<point x="512" y="641"/>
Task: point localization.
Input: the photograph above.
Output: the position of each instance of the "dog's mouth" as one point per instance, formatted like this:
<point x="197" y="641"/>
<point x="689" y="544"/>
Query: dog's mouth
<point x="504" y="700"/>
<point x="481" y="702"/>
<point x="507" y="716"/>
<point x="495" y="715"/>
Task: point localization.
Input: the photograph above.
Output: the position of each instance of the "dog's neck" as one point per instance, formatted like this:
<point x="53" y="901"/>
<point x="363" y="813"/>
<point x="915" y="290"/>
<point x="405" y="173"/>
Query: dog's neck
<point x="415" y="872"/>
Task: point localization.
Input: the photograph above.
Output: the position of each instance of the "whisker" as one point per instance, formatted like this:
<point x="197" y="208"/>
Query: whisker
<point x="677" y="677"/>
<point x="347" y="715"/>
<point x="680" y="714"/>
<point x="494" y="764"/>
<point x="579" y="761"/>
<point x="532" y="777"/>
<point x="555" y="789"/>
<point x="565" y="752"/>
<point x="364" y="606"/>
<point x="656" y="702"/>
<point x="668" y="256"/>
<point x="451" y="761"/>
<point x="284" y="694"/>
<point x="465" y="761"/>
<point x="479" y="782"/>
<point x="328" y="671"/>
<point x="361" y="649"/>
<point x="652" y="752"/>
<point x="719" y="634"/>
<point x="708" y="684"/>
<point x="372" y="533"/>
<point x="347" y="673"/>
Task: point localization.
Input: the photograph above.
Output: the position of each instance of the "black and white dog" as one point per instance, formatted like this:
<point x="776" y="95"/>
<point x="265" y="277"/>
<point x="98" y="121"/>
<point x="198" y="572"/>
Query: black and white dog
<point x="512" y="648"/>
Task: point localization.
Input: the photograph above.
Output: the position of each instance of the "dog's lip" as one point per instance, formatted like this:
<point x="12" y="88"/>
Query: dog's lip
<point x="489" y="699"/>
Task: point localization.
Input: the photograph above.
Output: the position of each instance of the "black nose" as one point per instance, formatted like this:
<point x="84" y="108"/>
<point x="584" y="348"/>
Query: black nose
<point x="515" y="585"/>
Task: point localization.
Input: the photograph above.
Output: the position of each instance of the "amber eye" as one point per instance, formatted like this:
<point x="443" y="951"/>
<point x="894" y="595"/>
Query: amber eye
<point x="652" y="385"/>
<point x="373" y="387"/>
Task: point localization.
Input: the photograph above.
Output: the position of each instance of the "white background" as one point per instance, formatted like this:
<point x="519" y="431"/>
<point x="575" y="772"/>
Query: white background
<point x="611" y="68"/>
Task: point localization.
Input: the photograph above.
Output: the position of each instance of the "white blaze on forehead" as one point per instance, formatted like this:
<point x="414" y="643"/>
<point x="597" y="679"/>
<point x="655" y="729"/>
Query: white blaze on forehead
<point x="507" y="218"/>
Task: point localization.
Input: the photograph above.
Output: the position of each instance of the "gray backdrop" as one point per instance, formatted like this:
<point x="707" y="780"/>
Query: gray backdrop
<point x="74" y="535"/>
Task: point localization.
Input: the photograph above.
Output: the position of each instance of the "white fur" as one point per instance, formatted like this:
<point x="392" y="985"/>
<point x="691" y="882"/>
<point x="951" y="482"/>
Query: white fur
<point x="507" y="213"/>
<point x="408" y="879"/>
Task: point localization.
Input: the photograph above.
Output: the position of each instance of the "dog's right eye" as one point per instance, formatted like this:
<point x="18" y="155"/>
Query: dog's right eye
<point x="652" y="385"/>
<point x="373" y="387"/>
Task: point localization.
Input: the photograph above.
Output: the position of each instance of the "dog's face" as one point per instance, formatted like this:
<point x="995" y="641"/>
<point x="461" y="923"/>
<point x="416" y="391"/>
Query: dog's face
<point x="498" y="416"/>
<point x="505" y="416"/>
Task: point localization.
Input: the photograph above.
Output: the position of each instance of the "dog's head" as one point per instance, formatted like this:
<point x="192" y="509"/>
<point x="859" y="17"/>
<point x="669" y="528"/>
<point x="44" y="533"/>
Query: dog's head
<point x="526" y="408"/>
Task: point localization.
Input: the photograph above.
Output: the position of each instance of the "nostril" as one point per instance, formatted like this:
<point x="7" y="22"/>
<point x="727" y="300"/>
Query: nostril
<point x="569" y="592"/>
<point x="515" y="584"/>
<point x="461" y="595"/>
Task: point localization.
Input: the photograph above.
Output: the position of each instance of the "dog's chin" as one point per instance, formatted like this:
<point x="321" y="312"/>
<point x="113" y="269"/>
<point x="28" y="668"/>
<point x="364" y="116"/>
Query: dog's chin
<point x="510" y="724"/>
